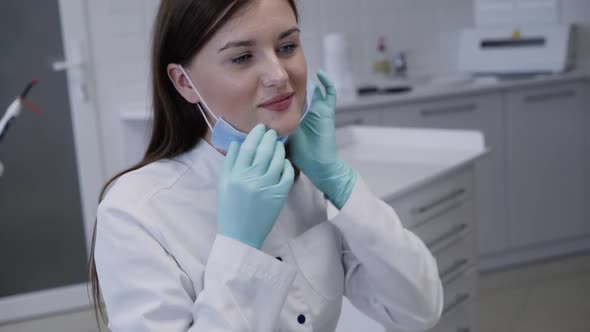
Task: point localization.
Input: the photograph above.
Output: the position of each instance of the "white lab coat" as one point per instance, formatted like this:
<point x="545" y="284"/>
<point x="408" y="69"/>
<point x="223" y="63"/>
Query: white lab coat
<point x="163" y="267"/>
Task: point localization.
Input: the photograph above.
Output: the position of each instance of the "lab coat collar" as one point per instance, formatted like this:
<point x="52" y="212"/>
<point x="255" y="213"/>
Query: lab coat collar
<point x="205" y="159"/>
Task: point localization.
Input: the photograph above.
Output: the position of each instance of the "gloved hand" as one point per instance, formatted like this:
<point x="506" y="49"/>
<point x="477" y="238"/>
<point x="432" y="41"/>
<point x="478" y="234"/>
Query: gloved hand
<point x="254" y="184"/>
<point x="314" y="151"/>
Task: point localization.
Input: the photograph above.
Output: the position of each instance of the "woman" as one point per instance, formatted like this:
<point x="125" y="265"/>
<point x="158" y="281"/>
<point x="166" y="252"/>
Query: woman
<point x="215" y="230"/>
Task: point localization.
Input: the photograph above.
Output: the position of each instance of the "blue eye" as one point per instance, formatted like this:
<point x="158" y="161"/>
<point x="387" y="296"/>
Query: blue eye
<point x="242" y="59"/>
<point x="287" y="49"/>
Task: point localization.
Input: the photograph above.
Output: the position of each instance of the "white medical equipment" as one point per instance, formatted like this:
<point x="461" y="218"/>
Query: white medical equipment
<point x="525" y="50"/>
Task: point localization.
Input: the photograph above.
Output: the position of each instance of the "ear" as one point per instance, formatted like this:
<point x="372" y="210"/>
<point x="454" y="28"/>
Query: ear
<point x="181" y="83"/>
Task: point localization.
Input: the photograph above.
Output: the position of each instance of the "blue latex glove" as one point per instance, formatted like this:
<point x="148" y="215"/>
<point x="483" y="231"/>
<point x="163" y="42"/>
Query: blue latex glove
<point x="254" y="184"/>
<point x="314" y="151"/>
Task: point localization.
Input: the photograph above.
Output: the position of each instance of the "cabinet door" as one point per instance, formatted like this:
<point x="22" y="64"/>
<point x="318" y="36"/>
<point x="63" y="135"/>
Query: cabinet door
<point x="545" y="164"/>
<point x="484" y="113"/>
<point x="357" y="118"/>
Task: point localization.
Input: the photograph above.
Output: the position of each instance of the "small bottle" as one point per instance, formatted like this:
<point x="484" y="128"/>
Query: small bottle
<point x="382" y="65"/>
<point x="400" y="65"/>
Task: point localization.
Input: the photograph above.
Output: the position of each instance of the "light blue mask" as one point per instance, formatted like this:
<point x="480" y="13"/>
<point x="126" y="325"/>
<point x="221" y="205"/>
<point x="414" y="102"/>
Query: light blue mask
<point x="222" y="134"/>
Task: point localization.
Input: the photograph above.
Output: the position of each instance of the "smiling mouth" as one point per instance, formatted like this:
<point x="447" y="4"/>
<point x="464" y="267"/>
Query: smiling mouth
<point x="279" y="103"/>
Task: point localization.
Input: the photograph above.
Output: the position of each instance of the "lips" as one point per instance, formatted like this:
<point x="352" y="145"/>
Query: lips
<point x="278" y="103"/>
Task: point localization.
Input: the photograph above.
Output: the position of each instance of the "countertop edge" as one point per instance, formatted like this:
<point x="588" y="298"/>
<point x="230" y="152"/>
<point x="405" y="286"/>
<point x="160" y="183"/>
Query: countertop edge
<point x="443" y="171"/>
<point x="456" y="91"/>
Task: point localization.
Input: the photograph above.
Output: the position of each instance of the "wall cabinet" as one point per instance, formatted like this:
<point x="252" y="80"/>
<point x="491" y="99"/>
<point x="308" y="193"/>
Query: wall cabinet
<point x="484" y="113"/>
<point x="545" y="155"/>
<point x="355" y="118"/>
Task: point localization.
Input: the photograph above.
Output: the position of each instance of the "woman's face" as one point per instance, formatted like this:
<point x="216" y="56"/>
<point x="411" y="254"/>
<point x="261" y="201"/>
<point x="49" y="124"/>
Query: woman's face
<point x="253" y="70"/>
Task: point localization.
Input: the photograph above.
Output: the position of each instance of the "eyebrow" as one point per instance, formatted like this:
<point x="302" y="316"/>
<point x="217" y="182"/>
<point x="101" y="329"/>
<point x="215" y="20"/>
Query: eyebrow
<point x="248" y="43"/>
<point x="289" y="32"/>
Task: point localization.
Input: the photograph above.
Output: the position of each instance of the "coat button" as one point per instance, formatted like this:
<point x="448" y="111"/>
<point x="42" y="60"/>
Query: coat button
<point x="279" y="258"/>
<point x="301" y="319"/>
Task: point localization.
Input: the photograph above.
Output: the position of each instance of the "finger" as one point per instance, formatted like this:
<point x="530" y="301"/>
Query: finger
<point x="276" y="166"/>
<point x="314" y="112"/>
<point x="264" y="152"/>
<point x="330" y="88"/>
<point x="287" y="178"/>
<point x="317" y="94"/>
<point x="230" y="157"/>
<point x="248" y="148"/>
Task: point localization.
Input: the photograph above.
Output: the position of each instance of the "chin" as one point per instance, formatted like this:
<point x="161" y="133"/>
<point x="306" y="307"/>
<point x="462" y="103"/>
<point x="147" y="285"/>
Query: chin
<point x="285" y="128"/>
<point x="287" y="124"/>
<point x="285" y="131"/>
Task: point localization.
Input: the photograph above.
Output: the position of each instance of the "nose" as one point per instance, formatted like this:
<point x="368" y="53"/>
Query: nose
<point x="274" y="74"/>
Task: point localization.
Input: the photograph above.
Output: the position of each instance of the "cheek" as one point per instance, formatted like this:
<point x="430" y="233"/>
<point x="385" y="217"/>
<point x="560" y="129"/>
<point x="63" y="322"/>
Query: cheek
<point x="297" y="70"/>
<point x="232" y="99"/>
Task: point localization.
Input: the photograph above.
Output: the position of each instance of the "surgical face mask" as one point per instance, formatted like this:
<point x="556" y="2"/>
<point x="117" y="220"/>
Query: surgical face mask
<point x="222" y="134"/>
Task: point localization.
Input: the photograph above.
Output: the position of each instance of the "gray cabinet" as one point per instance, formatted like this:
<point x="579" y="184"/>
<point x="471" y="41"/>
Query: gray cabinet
<point x="480" y="112"/>
<point x="533" y="188"/>
<point x="442" y="213"/>
<point x="357" y="118"/>
<point x="545" y="158"/>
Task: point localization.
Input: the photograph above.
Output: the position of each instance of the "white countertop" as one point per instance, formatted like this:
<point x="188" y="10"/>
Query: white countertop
<point x="395" y="161"/>
<point x="424" y="92"/>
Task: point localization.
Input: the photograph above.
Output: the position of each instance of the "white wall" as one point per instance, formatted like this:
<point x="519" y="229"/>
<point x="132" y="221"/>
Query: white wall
<point x="120" y="33"/>
<point x="516" y="12"/>
<point x="427" y="29"/>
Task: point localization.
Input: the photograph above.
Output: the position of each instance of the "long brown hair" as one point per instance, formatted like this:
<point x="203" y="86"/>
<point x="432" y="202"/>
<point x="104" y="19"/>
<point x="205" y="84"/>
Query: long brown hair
<point x="181" y="29"/>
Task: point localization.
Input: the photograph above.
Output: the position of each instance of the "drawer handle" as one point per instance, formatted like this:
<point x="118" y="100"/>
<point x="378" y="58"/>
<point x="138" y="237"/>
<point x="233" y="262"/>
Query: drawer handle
<point x="550" y="96"/>
<point x="439" y="201"/>
<point x="459" y="299"/>
<point x="449" y="110"/>
<point x="354" y="122"/>
<point x="447" y="235"/>
<point x="456" y="266"/>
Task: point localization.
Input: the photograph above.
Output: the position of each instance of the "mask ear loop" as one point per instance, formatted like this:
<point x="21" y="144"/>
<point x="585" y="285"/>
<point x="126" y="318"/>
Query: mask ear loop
<point x="201" y="100"/>
<point x="204" y="117"/>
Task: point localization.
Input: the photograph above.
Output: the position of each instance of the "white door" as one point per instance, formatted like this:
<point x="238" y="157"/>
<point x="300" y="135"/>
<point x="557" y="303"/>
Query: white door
<point x="586" y="91"/>
<point x="52" y="163"/>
